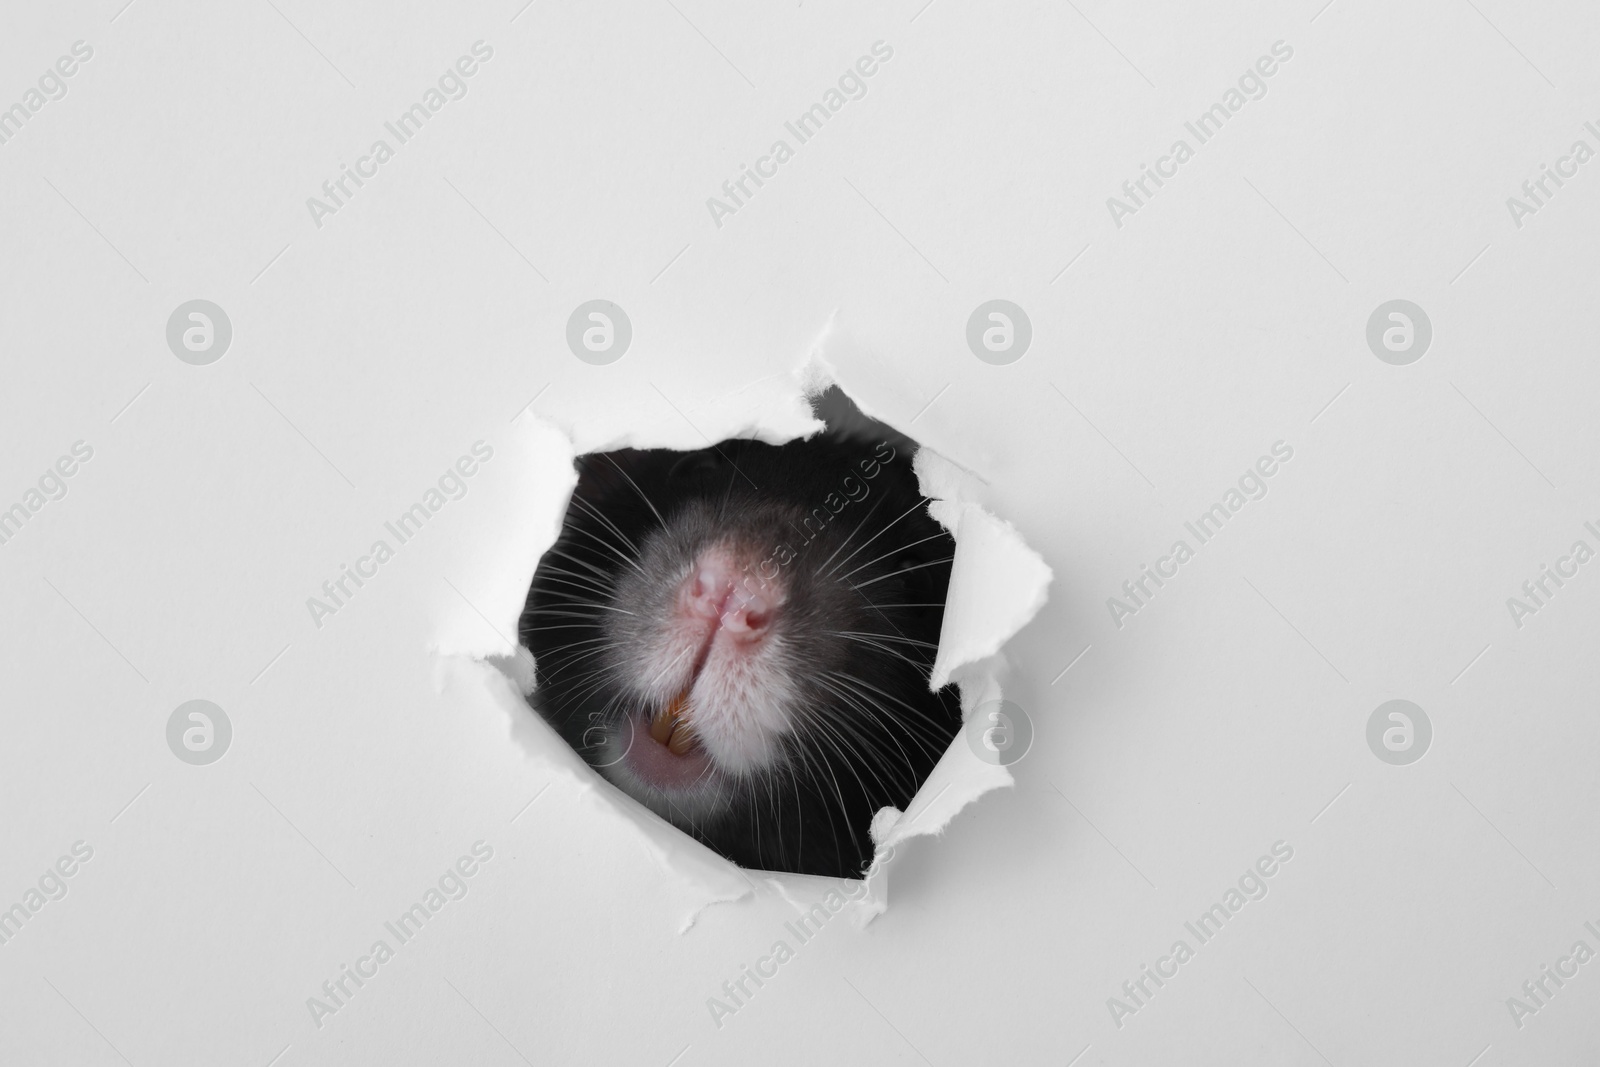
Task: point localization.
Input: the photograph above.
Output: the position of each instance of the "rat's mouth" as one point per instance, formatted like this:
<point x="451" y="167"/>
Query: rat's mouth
<point x="723" y="617"/>
<point x="670" y="726"/>
<point x="665" y="754"/>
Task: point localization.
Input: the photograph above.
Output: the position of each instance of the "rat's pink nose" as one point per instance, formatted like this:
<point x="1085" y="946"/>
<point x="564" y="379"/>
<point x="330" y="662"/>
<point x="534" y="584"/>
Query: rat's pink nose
<point x="735" y="594"/>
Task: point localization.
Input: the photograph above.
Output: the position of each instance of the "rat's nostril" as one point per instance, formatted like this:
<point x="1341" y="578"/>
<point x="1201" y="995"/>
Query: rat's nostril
<point x="722" y="587"/>
<point x="751" y="610"/>
<point x="709" y="588"/>
<point x="747" y="614"/>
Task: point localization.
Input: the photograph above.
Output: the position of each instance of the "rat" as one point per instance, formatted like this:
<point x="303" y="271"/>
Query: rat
<point x="741" y="639"/>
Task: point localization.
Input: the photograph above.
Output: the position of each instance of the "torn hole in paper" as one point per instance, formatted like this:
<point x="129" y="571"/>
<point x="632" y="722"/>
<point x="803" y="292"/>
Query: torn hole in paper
<point x="743" y="600"/>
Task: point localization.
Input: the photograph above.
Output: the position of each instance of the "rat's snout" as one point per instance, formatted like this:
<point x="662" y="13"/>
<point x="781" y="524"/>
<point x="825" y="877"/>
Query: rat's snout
<point x="732" y="589"/>
<point x="713" y="700"/>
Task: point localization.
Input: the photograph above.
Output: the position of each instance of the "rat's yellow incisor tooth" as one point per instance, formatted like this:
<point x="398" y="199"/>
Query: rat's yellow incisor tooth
<point x="670" y="718"/>
<point x="682" y="739"/>
<point x="662" y="722"/>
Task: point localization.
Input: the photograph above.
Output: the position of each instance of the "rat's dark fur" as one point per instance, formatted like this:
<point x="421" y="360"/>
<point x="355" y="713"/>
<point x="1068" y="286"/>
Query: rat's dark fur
<point x="867" y="580"/>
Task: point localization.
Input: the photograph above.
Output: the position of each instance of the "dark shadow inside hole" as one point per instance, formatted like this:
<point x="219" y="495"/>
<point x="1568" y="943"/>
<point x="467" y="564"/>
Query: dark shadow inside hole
<point x="740" y="637"/>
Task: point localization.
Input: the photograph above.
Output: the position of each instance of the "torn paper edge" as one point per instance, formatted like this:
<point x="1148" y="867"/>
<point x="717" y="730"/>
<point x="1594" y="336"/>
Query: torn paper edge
<point x="998" y="585"/>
